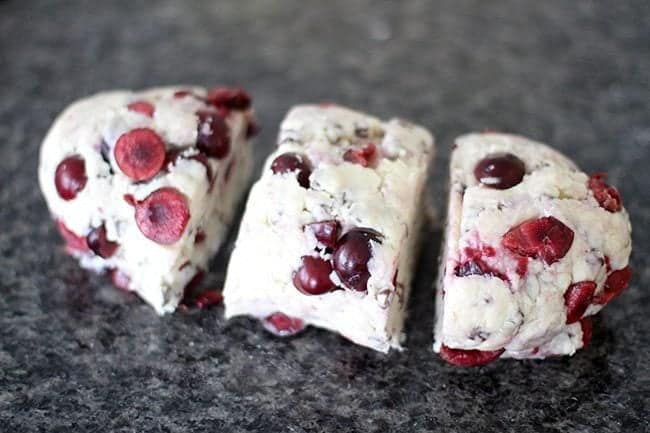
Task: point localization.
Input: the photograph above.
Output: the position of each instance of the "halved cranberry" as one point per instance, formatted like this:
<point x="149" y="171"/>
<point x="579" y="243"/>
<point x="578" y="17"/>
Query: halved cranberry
<point x="351" y="256"/>
<point x="208" y="299"/>
<point x="142" y="107"/>
<point x="546" y="238"/>
<point x="99" y="244"/>
<point x="586" y="325"/>
<point x="326" y="232"/>
<point x="500" y="170"/>
<point x="120" y="280"/>
<point x="615" y="283"/>
<point x="577" y="298"/>
<point x="163" y="215"/>
<point x="469" y="358"/>
<point x="313" y="276"/>
<point x="70" y="177"/>
<point x="282" y="325"/>
<point x="362" y="156"/>
<point x="140" y="153"/>
<point x="607" y="196"/>
<point x="213" y="137"/>
<point x="290" y="162"/>
<point x="232" y="98"/>
<point x="72" y="241"/>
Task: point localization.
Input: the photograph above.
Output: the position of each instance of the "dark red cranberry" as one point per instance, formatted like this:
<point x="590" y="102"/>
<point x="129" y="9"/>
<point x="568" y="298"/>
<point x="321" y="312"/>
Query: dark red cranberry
<point x="140" y="153"/>
<point x="208" y="299"/>
<point x="213" y="137"/>
<point x="70" y="177"/>
<point x="282" y="325"/>
<point x="586" y="325"/>
<point x="546" y="238"/>
<point x="469" y="358"/>
<point x="500" y="170"/>
<point x="290" y="162"/>
<point x="232" y="98"/>
<point x="477" y="267"/>
<point x="121" y="280"/>
<point x="313" y="276"/>
<point x="72" y="241"/>
<point x="163" y="215"/>
<point x="199" y="238"/>
<point x="362" y="156"/>
<point x="615" y="283"/>
<point x="142" y="107"/>
<point x="326" y="232"/>
<point x="351" y="256"/>
<point x="100" y="245"/>
<point x="193" y="283"/>
<point x="577" y="298"/>
<point x="607" y="196"/>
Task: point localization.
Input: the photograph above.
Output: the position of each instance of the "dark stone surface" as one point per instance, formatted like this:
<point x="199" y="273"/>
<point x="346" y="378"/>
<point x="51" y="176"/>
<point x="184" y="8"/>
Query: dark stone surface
<point x="77" y="355"/>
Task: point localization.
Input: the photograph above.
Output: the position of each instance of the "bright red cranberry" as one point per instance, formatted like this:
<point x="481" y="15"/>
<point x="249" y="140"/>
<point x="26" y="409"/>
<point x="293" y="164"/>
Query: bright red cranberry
<point x="142" y="107"/>
<point x="121" y="280"/>
<point x="72" y="241"/>
<point x="351" y="256"/>
<point x="500" y="170"/>
<point x="546" y="238"/>
<point x="208" y="299"/>
<point x="140" y="153"/>
<point x="615" y="283"/>
<point x="282" y="325"/>
<point x="587" y="331"/>
<point x="326" y="232"/>
<point x="469" y="358"/>
<point x="99" y="244"/>
<point x="313" y="276"/>
<point x="163" y="215"/>
<point x="213" y="137"/>
<point x="232" y="98"/>
<point x="577" y="298"/>
<point x="362" y="156"/>
<point x="290" y="162"/>
<point x="70" y="177"/>
<point x="607" y="196"/>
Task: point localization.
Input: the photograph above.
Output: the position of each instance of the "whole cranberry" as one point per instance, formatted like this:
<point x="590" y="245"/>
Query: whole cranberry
<point x="313" y="276"/>
<point x="213" y="137"/>
<point x="500" y="170"/>
<point x="351" y="256"/>
<point x="290" y="162"/>
<point x="70" y="177"/>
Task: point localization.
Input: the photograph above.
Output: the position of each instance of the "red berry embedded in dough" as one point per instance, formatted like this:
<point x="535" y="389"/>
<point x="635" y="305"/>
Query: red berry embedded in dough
<point x="500" y="171"/>
<point x="142" y="107"/>
<point x="477" y="267"/>
<point x="208" y="299"/>
<point x="326" y="232"/>
<point x="469" y="358"/>
<point x="72" y="241"/>
<point x="163" y="215"/>
<point x="577" y="298"/>
<point x="546" y="238"/>
<point x="607" y="196"/>
<point x="293" y="162"/>
<point x="587" y="331"/>
<point x="70" y="177"/>
<point x="99" y="244"/>
<point x="213" y="137"/>
<point x="140" y="153"/>
<point x="313" y="276"/>
<point x="615" y="283"/>
<point x="232" y="98"/>
<point x="362" y="156"/>
<point x="282" y="325"/>
<point x="351" y="256"/>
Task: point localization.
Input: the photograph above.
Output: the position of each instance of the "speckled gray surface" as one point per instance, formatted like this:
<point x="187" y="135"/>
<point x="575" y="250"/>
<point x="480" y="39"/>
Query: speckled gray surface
<point x="77" y="355"/>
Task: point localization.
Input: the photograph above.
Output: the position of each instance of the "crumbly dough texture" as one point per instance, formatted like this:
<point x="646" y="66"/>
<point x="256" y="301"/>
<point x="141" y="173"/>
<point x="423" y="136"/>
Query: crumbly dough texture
<point x="158" y="273"/>
<point x="386" y="197"/>
<point x="525" y="315"/>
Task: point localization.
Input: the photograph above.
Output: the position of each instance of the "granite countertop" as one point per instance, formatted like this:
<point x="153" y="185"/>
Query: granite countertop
<point x="77" y="355"/>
